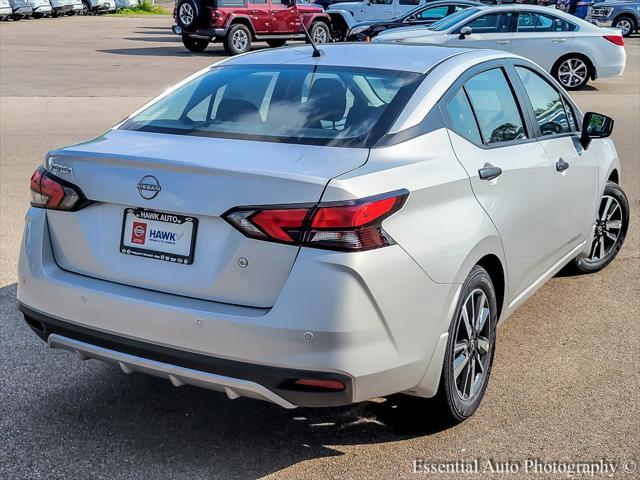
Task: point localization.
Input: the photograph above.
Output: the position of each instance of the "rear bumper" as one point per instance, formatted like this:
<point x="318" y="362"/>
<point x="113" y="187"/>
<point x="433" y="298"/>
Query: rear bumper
<point x="201" y="32"/>
<point x="234" y="378"/>
<point x="373" y="320"/>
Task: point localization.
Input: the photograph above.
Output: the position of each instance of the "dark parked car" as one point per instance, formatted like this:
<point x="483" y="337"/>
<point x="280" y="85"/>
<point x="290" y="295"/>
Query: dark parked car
<point x="423" y="15"/>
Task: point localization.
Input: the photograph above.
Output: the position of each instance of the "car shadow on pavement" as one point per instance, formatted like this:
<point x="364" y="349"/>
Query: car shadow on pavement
<point x="215" y="49"/>
<point x="70" y="412"/>
<point x="158" y="39"/>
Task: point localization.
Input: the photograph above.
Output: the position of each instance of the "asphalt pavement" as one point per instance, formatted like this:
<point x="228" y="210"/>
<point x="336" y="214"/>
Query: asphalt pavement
<point x="566" y="374"/>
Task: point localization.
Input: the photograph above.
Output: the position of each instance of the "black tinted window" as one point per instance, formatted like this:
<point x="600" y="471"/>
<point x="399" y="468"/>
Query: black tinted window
<point x="547" y="103"/>
<point x="538" y="22"/>
<point x="491" y="23"/>
<point x="495" y="107"/>
<point x="464" y="123"/>
<point x="435" y="13"/>
<point x="409" y="2"/>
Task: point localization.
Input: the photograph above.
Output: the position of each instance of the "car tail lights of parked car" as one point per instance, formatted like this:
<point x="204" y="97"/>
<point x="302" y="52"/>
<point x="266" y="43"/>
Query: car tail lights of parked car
<point x="354" y="225"/>
<point x="615" y="39"/>
<point x="51" y="192"/>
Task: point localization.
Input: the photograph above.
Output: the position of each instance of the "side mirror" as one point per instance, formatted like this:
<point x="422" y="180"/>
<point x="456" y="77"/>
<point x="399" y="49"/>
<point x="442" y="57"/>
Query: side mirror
<point x="464" y="31"/>
<point x="595" y="125"/>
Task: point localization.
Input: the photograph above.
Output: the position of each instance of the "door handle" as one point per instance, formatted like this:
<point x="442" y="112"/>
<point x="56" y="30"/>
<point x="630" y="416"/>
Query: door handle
<point x="489" y="172"/>
<point x="254" y="11"/>
<point x="503" y="42"/>
<point x="559" y="40"/>
<point x="561" y="165"/>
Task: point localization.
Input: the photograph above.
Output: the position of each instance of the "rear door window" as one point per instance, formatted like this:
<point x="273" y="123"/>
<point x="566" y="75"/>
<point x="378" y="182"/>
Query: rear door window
<point x="495" y="107"/>
<point x="491" y="23"/>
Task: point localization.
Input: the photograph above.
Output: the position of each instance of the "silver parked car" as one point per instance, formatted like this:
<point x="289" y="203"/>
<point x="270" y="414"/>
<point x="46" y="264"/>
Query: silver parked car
<point x="61" y="7"/>
<point x="20" y="9"/>
<point x="98" y="6"/>
<point x="76" y="7"/>
<point x="321" y="230"/>
<point x="41" y="8"/>
<point x="5" y="10"/>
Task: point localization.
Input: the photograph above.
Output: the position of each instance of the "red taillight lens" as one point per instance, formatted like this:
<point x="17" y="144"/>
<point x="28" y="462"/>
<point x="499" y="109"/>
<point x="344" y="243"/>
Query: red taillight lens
<point x="51" y="192"/>
<point x="344" y="226"/>
<point x="615" y="39"/>
<point x="317" y="384"/>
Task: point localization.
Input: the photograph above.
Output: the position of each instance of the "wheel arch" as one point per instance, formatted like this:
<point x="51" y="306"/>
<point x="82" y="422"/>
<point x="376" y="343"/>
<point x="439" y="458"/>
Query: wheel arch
<point x="241" y="19"/>
<point x="614" y="176"/>
<point x="488" y="254"/>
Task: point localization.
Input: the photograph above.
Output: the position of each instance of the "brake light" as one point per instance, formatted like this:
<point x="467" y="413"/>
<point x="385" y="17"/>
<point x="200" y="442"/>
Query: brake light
<point x="344" y="226"/>
<point x="615" y="39"/>
<point x="51" y="192"/>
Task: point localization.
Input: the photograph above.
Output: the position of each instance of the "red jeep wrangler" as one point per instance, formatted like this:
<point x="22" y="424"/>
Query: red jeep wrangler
<point x="239" y="22"/>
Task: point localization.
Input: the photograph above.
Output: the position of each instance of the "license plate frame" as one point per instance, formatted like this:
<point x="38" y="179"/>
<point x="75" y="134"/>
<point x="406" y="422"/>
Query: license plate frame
<point x="157" y="217"/>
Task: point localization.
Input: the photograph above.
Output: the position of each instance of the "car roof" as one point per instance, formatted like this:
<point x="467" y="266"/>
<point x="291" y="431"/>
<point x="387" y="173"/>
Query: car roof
<point x="390" y="56"/>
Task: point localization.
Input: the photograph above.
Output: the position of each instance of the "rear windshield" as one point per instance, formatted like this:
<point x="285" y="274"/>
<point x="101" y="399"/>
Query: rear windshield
<point x="293" y="104"/>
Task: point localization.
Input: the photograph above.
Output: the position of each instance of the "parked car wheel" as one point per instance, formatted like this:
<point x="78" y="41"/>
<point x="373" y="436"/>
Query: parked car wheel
<point x="319" y="32"/>
<point x="37" y="15"/>
<point x="470" y="348"/>
<point x="86" y="8"/>
<point x="612" y="222"/>
<point x="196" y="45"/>
<point x="276" y="43"/>
<point x="190" y="14"/>
<point x="573" y="72"/>
<point x="626" y="24"/>
<point x="238" y="40"/>
<point x="16" y="18"/>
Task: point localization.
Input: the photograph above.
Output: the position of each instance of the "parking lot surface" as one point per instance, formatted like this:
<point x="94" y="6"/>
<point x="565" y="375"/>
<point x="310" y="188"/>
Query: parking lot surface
<point x="566" y="373"/>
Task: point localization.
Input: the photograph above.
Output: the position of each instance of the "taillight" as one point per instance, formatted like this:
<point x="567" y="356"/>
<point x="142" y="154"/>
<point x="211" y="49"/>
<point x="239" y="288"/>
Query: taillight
<point x="346" y="226"/>
<point x="51" y="192"/>
<point x="615" y="39"/>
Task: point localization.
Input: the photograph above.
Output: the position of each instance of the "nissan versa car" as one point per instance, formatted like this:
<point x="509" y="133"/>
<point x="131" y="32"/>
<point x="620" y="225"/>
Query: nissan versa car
<point x="321" y="230"/>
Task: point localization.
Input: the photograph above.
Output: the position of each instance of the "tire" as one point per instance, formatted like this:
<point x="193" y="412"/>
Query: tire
<point x="37" y="16"/>
<point x="612" y="220"/>
<point x="463" y="382"/>
<point x="196" y="45"/>
<point x="16" y="18"/>
<point x="238" y="40"/>
<point x="190" y="14"/>
<point x="572" y="72"/>
<point x="276" y="43"/>
<point x="626" y="24"/>
<point x="319" y="32"/>
<point x="86" y="8"/>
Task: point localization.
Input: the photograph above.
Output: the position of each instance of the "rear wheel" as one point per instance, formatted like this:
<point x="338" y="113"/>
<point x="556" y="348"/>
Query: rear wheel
<point x="196" y="45"/>
<point x="319" y="32"/>
<point x="572" y="72"/>
<point x="86" y="8"/>
<point x="276" y="43"/>
<point x="238" y="40"/>
<point x="626" y="24"/>
<point x="612" y="222"/>
<point x="469" y="355"/>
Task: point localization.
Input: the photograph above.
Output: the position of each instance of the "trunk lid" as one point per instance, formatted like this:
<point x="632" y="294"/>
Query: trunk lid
<point x="199" y="178"/>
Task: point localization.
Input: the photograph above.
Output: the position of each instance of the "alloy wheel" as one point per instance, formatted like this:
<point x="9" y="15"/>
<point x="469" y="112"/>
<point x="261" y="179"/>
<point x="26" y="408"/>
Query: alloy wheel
<point x="624" y="25"/>
<point x="607" y="228"/>
<point x="472" y="348"/>
<point x="573" y="72"/>
<point x="186" y="14"/>
<point x="240" y="40"/>
<point x="320" y="35"/>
